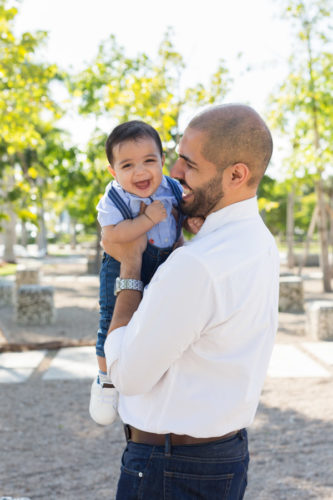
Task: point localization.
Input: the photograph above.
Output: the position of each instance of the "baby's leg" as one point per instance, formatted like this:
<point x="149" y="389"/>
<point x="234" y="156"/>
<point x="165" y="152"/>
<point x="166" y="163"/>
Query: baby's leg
<point x="104" y="398"/>
<point x="102" y="364"/>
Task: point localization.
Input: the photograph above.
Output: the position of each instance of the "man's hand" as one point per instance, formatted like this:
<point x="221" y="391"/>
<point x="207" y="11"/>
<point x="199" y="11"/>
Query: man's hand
<point x="193" y="224"/>
<point x="156" y="212"/>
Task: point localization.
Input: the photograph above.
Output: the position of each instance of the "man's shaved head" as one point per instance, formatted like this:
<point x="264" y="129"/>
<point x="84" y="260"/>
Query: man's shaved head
<point x="235" y="133"/>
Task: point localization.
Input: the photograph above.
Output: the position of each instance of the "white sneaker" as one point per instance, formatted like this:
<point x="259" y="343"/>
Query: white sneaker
<point x="103" y="403"/>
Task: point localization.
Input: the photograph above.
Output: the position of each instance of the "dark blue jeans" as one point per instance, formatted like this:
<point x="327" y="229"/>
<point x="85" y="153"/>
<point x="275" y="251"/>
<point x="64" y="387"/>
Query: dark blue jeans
<point x="110" y="269"/>
<point x="211" y="471"/>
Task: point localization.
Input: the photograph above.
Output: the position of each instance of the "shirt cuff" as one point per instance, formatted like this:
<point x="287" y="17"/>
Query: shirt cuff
<point x="112" y="347"/>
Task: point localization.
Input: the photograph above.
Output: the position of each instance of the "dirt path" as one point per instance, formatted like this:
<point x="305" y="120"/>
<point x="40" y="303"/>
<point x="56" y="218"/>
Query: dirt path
<point x="51" y="450"/>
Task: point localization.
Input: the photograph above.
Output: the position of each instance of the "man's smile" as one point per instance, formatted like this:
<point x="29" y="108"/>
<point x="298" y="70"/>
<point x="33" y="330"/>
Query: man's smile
<point x="187" y="192"/>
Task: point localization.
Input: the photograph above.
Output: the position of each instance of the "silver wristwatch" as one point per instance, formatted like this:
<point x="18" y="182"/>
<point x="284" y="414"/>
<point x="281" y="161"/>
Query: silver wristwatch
<point x="127" y="284"/>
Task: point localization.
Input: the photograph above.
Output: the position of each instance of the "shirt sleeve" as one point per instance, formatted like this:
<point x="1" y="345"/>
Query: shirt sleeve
<point x="108" y="213"/>
<point x="174" y="312"/>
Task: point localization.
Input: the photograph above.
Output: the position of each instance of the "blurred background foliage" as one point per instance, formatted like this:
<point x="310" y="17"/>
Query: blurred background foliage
<point x="49" y="186"/>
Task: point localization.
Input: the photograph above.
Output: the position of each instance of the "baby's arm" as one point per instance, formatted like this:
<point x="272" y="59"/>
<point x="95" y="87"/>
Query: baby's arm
<point x="130" y="229"/>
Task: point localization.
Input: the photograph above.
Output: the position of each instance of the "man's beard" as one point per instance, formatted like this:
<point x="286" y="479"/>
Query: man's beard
<point x="204" y="198"/>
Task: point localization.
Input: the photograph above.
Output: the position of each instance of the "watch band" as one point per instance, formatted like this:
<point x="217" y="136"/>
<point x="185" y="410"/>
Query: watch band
<point x="127" y="284"/>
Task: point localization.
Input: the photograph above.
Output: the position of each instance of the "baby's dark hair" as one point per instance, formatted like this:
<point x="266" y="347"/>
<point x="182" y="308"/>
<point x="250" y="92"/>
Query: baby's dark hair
<point x="131" y="131"/>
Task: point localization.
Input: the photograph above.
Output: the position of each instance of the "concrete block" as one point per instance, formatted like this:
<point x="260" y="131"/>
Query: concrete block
<point x="291" y="297"/>
<point x="27" y="276"/>
<point x="6" y="293"/>
<point x="35" y="305"/>
<point x="319" y="320"/>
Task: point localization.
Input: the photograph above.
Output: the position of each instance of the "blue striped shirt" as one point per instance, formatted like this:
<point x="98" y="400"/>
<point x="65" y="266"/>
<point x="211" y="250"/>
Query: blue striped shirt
<point x="163" y="234"/>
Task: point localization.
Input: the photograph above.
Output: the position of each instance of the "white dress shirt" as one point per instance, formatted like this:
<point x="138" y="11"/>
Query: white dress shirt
<point x="194" y="356"/>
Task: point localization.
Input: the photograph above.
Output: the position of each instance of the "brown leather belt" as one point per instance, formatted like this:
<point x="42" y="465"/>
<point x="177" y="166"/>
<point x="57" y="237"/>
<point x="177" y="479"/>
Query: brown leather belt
<point x="152" y="439"/>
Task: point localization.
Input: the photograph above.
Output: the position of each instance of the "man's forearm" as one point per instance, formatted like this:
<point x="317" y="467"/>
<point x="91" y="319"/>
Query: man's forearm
<point x="127" y="300"/>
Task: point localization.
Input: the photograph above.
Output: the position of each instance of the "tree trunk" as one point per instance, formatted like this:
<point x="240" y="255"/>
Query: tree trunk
<point x="329" y="211"/>
<point x="10" y="223"/>
<point x="309" y="235"/>
<point x="322" y="219"/>
<point x="94" y="260"/>
<point x="98" y="246"/>
<point x="290" y="228"/>
<point x="323" y="237"/>
<point x="24" y="234"/>
<point x="42" y="233"/>
<point x="73" y="234"/>
<point x="10" y="235"/>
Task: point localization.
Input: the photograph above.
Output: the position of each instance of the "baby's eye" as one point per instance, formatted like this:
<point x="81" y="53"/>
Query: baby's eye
<point x="126" y="165"/>
<point x="150" y="160"/>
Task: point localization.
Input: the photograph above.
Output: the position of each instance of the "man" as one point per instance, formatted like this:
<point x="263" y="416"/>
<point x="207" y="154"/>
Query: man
<point x="191" y="362"/>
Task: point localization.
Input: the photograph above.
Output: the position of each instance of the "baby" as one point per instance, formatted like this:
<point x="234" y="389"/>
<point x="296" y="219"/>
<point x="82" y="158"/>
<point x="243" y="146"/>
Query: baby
<point x="135" y="155"/>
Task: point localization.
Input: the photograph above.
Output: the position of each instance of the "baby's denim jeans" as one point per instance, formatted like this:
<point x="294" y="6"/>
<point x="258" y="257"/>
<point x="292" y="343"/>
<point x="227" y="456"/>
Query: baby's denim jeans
<point x="110" y="269"/>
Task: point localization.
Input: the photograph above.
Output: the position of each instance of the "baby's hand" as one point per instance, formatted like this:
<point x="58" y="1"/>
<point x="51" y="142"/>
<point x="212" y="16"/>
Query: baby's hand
<point x="193" y="224"/>
<point x="156" y="211"/>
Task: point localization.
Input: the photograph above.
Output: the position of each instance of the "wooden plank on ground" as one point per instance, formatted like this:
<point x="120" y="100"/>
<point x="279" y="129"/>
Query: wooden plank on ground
<point x="52" y="344"/>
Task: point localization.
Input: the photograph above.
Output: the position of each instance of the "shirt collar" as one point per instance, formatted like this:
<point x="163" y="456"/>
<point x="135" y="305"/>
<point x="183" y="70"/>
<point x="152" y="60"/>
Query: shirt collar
<point x="245" y="209"/>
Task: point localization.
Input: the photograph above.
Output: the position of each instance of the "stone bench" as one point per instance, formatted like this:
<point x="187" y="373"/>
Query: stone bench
<point x="6" y="293"/>
<point x="291" y="298"/>
<point x="35" y="305"/>
<point x="27" y="276"/>
<point x="319" y="320"/>
<point x="312" y="260"/>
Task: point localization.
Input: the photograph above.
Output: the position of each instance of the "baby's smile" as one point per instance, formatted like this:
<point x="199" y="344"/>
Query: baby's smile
<point x="142" y="185"/>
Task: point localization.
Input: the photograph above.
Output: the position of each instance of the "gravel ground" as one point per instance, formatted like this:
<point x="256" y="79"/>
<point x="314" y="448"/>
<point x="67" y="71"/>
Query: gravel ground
<point x="50" y="449"/>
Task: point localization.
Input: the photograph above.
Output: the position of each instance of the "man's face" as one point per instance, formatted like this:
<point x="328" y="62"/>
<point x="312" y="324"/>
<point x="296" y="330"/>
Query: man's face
<point x="200" y="179"/>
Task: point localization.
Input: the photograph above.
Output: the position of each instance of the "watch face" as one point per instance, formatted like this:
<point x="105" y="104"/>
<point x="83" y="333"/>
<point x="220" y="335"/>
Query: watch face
<point x="116" y="288"/>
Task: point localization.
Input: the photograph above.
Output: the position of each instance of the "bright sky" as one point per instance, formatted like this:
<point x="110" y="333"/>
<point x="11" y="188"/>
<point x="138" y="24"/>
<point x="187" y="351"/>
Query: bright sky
<point x="204" y="32"/>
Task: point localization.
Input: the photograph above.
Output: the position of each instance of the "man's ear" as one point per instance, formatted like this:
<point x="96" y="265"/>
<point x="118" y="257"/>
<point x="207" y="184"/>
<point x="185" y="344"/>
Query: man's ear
<point x="111" y="170"/>
<point x="239" y="174"/>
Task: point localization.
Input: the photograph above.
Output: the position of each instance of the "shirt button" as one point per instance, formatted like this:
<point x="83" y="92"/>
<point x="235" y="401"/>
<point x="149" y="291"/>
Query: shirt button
<point x="166" y="239"/>
<point x="140" y="474"/>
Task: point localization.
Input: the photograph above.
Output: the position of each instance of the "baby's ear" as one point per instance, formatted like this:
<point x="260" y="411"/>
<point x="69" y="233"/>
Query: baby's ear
<point x="111" y="170"/>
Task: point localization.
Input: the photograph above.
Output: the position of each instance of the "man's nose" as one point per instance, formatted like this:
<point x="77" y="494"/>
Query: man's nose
<point x="177" y="171"/>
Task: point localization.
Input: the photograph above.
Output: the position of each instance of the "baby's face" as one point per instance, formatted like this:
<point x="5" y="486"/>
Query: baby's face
<point x="138" y="166"/>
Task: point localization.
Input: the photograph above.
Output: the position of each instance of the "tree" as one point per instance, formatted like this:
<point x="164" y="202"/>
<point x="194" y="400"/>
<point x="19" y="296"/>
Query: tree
<point x="117" y="88"/>
<point x="302" y="109"/>
<point x="27" y="112"/>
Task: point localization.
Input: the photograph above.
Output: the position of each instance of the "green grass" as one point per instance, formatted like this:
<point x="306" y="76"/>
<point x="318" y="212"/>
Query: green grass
<point x="299" y="247"/>
<point x="7" y="269"/>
